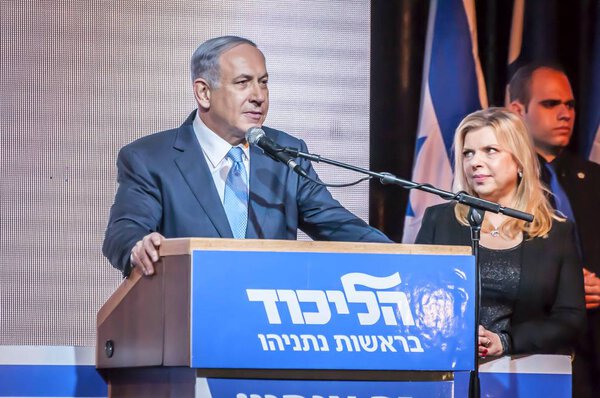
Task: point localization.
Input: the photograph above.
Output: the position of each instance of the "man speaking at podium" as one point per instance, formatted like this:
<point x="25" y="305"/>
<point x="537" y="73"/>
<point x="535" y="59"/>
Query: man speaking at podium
<point x="204" y="180"/>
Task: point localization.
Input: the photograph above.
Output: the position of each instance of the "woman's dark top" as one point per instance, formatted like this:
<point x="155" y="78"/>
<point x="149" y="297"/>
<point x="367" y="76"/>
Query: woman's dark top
<point x="500" y="272"/>
<point x="548" y="313"/>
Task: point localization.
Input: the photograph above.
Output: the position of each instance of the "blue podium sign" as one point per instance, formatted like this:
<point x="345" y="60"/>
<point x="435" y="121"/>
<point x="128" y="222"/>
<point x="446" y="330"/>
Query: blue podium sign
<point x="341" y="311"/>
<point x="326" y="389"/>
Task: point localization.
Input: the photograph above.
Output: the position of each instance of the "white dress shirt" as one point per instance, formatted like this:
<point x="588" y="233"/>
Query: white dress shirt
<point x="215" y="151"/>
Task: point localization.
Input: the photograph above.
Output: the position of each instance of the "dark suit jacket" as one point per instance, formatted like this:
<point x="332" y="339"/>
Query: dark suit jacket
<point x="580" y="180"/>
<point x="165" y="185"/>
<point x="549" y="313"/>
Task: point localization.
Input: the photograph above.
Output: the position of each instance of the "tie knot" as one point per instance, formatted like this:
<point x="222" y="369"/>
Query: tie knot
<point x="550" y="169"/>
<point x="235" y="154"/>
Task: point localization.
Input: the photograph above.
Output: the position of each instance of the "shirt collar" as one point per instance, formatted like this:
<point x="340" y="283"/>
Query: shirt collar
<point x="214" y="147"/>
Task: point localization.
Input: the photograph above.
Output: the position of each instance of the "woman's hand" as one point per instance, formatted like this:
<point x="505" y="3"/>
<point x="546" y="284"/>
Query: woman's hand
<point x="592" y="290"/>
<point x="489" y="343"/>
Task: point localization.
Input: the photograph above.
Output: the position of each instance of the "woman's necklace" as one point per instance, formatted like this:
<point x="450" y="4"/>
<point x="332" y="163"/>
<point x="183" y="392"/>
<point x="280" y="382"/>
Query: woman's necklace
<point x="494" y="233"/>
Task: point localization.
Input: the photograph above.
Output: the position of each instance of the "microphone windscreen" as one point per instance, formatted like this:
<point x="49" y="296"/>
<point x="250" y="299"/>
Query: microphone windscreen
<point x="254" y="134"/>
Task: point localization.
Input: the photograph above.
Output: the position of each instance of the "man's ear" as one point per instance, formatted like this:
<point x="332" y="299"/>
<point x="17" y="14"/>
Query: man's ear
<point x="517" y="107"/>
<point x="202" y="93"/>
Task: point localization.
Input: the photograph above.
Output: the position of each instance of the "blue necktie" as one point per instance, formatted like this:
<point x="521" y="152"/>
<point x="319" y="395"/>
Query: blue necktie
<point x="561" y="200"/>
<point x="235" y="200"/>
<point x="562" y="204"/>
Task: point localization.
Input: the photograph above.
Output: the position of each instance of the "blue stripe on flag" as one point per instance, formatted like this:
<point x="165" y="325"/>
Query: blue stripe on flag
<point x="451" y="84"/>
<point x="409" y="210"/>
<point x="51" y="381"/>
<point x="453" y="80"/>
<point x="419" y="145"/>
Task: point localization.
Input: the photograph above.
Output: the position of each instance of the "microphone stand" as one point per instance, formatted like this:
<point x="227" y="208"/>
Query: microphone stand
<point x="388" y="178"/>
<point x="477" y="209"/>
<point x="475" y="218"/>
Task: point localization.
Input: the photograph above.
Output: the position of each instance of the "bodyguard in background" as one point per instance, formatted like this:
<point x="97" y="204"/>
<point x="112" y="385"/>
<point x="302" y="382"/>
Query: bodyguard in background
<point x="203" y="180"/>
<point x="542" y="95"/>
<point x="532" y="285"/>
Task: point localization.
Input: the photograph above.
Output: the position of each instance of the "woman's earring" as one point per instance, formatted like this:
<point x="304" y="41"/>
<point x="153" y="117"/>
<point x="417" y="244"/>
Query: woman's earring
<point x="520" y="173"/>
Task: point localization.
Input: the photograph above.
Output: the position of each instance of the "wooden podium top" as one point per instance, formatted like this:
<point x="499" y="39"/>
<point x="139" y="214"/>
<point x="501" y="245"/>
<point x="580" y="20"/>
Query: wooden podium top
<point x="184" y="246"/>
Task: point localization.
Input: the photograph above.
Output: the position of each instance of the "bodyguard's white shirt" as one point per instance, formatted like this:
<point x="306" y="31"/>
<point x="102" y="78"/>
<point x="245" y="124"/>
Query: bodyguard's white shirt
<point x="215" y="151"/>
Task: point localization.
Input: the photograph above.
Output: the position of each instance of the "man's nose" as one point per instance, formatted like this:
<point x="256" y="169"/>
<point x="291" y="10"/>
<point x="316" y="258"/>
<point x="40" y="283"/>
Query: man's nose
<point x="565" y="112"/>
<point x="259" y="93"/>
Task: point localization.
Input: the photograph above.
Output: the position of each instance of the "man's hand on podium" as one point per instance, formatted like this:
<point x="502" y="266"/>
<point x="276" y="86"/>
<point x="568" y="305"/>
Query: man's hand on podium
<point x="145" y="253"/>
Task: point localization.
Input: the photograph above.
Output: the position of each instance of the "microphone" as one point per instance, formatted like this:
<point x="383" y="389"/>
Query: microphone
<point x="256" y="136"/>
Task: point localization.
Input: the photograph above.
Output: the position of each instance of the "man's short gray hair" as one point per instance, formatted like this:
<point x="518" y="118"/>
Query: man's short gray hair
<point x="205" y="60"/>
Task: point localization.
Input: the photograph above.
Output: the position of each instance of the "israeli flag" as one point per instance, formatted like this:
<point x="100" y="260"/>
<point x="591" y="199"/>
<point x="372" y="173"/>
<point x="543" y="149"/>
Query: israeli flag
<point x="592" y="127"/>
<point x="533" y="35"/>
<point x="453" y="87"/>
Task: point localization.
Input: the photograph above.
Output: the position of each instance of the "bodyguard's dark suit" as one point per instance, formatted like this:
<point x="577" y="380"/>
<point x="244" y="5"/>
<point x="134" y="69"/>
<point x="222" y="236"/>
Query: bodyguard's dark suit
<point x="165" y="185"/>
<point x="549" y="313"/>
<point x="580" y="180"/>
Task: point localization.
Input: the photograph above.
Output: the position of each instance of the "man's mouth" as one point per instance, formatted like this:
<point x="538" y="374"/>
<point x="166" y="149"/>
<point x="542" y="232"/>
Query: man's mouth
<point x="254" y="115"/>
<point x="563" y="129"/>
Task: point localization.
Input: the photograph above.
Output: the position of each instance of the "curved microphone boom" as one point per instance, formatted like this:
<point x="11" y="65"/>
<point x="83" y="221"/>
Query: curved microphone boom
<point x="256" y="136"/>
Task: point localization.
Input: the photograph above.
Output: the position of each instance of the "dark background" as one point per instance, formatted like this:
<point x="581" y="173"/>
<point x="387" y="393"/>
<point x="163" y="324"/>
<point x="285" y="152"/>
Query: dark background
<point x="561" y="31"/>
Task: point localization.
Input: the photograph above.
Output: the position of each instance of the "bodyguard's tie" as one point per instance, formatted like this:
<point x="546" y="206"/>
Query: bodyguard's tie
<point x="235" y="200"/>
<point x="561" y="200"/>
<point x="562" y="204"/>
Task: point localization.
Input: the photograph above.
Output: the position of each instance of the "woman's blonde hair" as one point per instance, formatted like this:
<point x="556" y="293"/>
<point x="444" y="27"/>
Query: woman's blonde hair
<point x="512" y="135"/>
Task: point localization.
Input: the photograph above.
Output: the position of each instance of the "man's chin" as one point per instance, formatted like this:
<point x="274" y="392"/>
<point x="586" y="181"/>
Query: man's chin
<point x="243" y="130"/>
<point x="561" y="139"/>
<point x="248" y="125"/>
<point x="559" y="144"/>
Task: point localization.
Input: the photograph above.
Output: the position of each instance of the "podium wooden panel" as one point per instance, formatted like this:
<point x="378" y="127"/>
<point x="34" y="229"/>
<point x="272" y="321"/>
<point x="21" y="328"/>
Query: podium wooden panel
<point x="143" y="336"/>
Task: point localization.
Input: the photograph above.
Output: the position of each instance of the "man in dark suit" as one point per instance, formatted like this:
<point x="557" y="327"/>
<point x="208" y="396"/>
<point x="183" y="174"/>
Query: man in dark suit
<point x="542" y="95"/>
<point x="202" y="179"/>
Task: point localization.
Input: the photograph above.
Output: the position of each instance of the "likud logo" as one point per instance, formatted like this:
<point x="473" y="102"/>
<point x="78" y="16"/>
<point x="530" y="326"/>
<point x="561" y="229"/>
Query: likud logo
<point x="378" y="304"/>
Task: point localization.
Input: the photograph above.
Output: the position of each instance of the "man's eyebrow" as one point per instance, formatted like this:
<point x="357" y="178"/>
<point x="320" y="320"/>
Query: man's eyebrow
<point x="249" y="77"/>
<point x="242" y="76"/>
<point x="554" y="101"/>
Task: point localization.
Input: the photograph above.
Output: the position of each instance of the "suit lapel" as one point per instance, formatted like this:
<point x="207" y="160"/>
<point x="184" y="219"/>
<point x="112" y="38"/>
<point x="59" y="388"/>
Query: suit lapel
<point x="193" y="167"/>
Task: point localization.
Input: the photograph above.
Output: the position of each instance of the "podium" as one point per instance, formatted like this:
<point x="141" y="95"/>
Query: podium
<point x="250" y="316"/>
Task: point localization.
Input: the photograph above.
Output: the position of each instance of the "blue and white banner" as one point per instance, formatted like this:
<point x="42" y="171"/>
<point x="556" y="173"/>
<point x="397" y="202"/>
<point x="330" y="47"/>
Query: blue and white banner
<point x="547" y="376"/>
<point x="222" y="388"/>
<point x="453" y="87"/>
<point x="275" y="310"/>
<point x="50" y="371"/>
<point x="64" y="371"/>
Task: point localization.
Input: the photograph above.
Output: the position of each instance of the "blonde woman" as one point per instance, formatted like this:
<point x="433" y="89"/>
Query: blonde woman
<point x="532" y="286"/>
